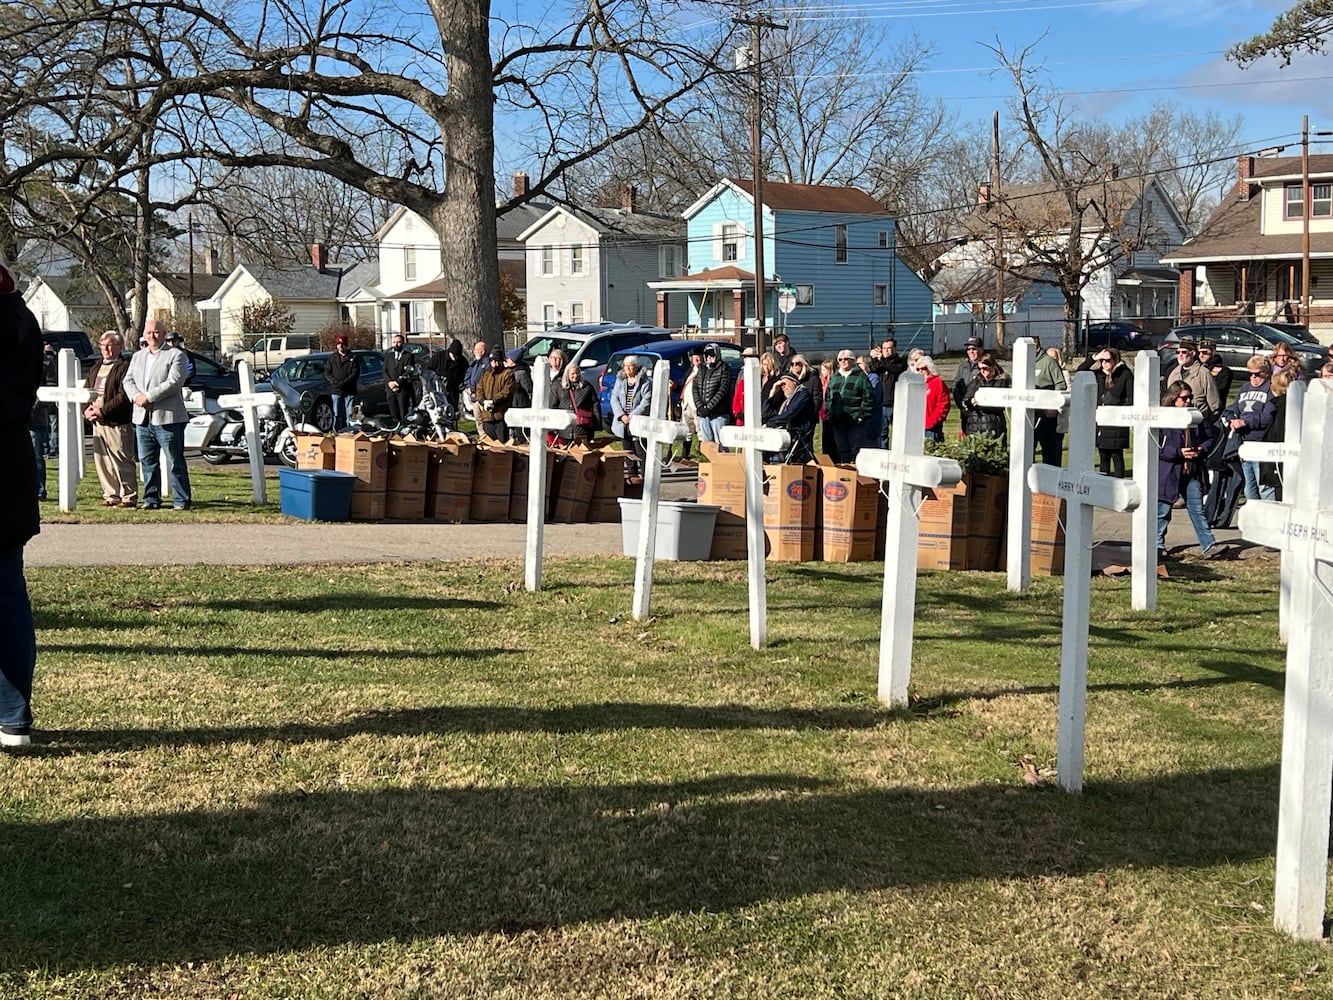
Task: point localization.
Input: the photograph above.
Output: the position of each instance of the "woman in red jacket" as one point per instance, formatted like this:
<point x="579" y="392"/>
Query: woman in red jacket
<point x="937" y="397"/>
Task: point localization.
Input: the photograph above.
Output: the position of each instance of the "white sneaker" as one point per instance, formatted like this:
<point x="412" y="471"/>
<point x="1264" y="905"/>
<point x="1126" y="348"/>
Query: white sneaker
<point x="15" y="736"/>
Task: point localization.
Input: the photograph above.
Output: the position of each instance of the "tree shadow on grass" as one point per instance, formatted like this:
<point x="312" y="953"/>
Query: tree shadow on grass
<point x="623" y="717"/>
<point x="299" y="870"/>
<point x="344" y="601"/>
<point x="158" y="650"/>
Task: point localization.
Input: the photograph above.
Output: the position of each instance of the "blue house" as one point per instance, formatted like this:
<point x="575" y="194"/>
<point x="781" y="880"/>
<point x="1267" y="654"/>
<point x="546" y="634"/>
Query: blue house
<point x="835" y="246"/>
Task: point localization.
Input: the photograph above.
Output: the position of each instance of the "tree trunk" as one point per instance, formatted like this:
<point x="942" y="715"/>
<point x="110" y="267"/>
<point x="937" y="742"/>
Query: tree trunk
<point x="465" y="218"/>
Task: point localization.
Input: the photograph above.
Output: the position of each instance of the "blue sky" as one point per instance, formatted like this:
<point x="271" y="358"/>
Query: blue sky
<point x="1111" y="58"/>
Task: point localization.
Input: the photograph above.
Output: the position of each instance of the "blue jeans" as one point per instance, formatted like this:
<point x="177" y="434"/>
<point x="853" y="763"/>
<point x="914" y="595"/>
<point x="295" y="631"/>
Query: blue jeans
<point x="18" y="641"/>
<point x="342" y="405"/>
<point x="40" y="436"/>
<point x="934" y="434"/>
<point x="850" y="438"/>
<point x="1193" y="492"/>
<point x="886" y="427"/>
<point x="1254" y="490"/>
<point x="53" y="429"/>
<point x="169" y="437"/>
<point x="709" y="427"/>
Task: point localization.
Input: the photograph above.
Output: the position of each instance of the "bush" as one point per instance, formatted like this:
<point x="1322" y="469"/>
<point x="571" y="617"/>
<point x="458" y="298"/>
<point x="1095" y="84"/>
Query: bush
<point x="980" y="454"/>
<point x="363" y="337"/>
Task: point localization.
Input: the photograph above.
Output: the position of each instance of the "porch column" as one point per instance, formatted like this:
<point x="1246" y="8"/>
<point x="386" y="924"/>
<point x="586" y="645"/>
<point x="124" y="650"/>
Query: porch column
<point x="661" y="309"/>
<point x="738" y="312"/>
<point x="1186" y="295"/>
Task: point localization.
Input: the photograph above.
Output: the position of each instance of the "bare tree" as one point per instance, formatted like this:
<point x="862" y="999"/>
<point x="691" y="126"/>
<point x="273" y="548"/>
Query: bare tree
<point x="1080" y="216"/>
<point x="287" y="84"/>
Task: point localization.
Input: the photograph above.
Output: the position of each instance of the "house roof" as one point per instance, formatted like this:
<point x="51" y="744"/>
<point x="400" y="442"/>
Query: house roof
<point x="781" y="196"/>
<point x="1042" y="206"/>
<point x="510" y="227"/>
<point x="178" y="283"/>
<point x="301" y="282"/>
<point x="1233" y="231"/>
<point x="975" y="284"/>
<point x="73" y="290"/>
<point x="728" y="273"/>
<point x="617" y="224"/>
<point x="365" y="274"/>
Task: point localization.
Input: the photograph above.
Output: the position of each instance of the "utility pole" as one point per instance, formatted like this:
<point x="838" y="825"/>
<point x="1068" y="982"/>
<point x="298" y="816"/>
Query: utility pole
<point x="1305" y="219"/>
<point x="757" y="23"/>
<point x="999" y="232"/>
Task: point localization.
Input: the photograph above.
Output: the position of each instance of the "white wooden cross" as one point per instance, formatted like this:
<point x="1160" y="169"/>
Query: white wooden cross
<point x="1142" y="416"/>
<point x="755" y="439"/>
<point x="1082" y="490"/>
<point x="248" y="402"/>
<point x="1288" y="452"/>
<point x="1303" y="529"/>
<point x="906" y="470"/>
<point x="539" y="418"/>
<point x="656" y="430"/>
<point x="70" y="398"/>
<point x="1022" y="399"/>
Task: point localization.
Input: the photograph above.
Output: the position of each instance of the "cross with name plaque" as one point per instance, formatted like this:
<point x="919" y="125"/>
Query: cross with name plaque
<point x="1303" y="529"/>
<point x="906" y="470"/>
<point x="249" y="403"/>
<point x="1083" y="490"/>
<point x="1288" y="453"/>
<point x="70" y="398"/>
<point x="538" y="418"/>
<point x="1141" y="417"/>
<point x="755" y="439"/>
<point x="656" y="430"/>
<point x="1023" y="400"/>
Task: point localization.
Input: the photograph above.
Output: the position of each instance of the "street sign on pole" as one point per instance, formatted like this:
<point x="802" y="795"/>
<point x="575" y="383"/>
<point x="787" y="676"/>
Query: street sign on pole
<point x="786" y="299"/>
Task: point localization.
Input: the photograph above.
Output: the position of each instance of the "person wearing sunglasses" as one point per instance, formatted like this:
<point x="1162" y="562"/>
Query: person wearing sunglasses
<point x="1191" y="371"/>
<point x="985" y="419"/>
<point x="1181" y="473"/>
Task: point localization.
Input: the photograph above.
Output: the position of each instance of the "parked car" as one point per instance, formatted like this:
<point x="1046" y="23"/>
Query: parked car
<point x="268" y="353"/>
<point x="1120" y="334"/>
<point x="210" y="379"/>
<point x="677" y="353"/>
<point x="306" y="376"/>
<point x="590" y="345"/>
<point x="1238" y="342"/>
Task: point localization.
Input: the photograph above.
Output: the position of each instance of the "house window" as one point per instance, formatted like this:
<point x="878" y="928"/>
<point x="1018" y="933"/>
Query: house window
<point x="576" y="260"/>
<point x="881" y="295"/>
<point x="420" y="317"/>
<point x="840" y="244"/>
<point x="410" y="264"/>
<point x="883" y="239"/>
<point x="576" y="312"/>
<point x="668" y="261"/>
<point x="805" y="295"/>
<point x="731" y="241"/>
<point x="548" y="315"/>
<point x="1321" y="201"/>
<point x="548" y="261"/>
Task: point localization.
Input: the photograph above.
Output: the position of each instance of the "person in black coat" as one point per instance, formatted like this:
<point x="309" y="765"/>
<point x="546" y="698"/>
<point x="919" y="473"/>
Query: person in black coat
<point x="20" y="375"/>
<point x="398" y="366"/>
<point x="985" y="419"/>
<point x="342" y="371"/>
<point x="1115" y="387"/>
<point x="791" y="408"/>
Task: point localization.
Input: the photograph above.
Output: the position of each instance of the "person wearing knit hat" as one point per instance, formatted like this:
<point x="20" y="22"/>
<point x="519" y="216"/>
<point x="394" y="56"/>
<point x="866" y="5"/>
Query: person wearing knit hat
<point x="21" y="344"/>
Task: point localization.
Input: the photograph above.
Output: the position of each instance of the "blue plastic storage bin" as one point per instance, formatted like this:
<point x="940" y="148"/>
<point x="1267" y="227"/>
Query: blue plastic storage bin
<point x="316" y="494"/>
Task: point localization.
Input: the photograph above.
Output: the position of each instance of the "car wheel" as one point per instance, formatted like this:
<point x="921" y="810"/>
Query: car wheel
<point x="323" y="416"/>
<point x="215" y="457"/>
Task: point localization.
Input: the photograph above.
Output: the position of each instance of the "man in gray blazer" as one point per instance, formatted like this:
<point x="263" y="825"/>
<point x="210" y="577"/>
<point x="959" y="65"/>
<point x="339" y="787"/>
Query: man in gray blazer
<point x="155" y="384"/>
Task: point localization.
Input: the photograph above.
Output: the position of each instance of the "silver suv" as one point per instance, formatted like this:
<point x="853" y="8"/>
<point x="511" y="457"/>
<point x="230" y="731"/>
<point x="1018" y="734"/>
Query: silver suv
<point x="590" y="345"/>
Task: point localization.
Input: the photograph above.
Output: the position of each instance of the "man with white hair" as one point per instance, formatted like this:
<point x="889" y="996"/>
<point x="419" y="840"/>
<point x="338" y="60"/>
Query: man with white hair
<point x="155" y="383"/>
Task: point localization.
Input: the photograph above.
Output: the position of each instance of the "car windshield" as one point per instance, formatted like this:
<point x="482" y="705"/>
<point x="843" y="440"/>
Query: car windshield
<point x="1295" y="333"/>
<point x="1276" y="334"/>
<point x="540" y="347"/>
<point x="297" y="369"/>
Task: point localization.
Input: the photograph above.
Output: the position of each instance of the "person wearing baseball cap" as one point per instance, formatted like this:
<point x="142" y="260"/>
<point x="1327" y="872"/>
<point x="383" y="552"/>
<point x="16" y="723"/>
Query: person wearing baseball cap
<point x="968" y="369"/>
<point x="175" y="341"/>
<point x="797" y="414"/>
<point x="342" y="371"/>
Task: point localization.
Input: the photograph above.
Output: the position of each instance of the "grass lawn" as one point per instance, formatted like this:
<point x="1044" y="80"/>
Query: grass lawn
<point x="389" y="781"/>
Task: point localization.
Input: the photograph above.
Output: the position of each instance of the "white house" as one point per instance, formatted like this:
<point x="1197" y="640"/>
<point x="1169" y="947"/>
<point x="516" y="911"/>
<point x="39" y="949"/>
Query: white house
<point x="592" y="264"/>
<point x="65" y="302"/>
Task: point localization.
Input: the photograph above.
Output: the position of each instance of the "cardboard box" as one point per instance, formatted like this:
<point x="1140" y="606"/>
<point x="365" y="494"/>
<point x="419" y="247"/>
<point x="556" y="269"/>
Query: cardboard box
<point x="366" y="458"/>
<point x="316" y="451"/>
<point x="449" y="481"/>
<point x="518" y="485"/>
<point x="729" y="540"/>
<point x="492" y="470"/>
<point x="577" y="481"/>
<point x="1046" y="551"/>
<point x="722" y="482"/>
<point x="791" y="503"/>
<point x="405" y="497"/>
<point x="986" y="509"/>
<point x="609" y="488"/>
<point x="848" y="513"/>
<point x="942" y="538"/>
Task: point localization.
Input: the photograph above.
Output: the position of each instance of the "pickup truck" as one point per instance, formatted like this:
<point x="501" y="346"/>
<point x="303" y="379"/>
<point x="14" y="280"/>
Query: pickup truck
<point x="267" y="353"/>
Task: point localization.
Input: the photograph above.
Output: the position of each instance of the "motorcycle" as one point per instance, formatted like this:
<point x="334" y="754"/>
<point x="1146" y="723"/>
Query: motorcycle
<point x="431" y="418"/>
<point x="220" y="436"/>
